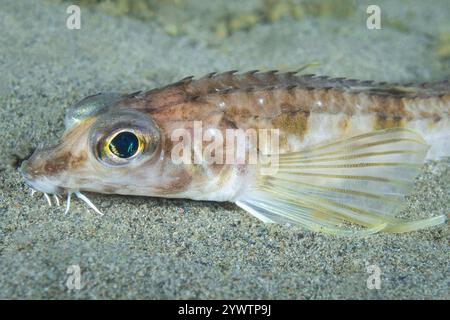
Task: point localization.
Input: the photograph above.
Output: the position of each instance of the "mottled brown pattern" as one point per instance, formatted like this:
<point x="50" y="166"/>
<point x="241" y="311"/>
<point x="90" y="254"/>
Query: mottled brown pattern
<point x="285" y="101"/>
<point x="431" y="115"/>
<point x="237" y="115"/>
<point x="383" y="122"/>
<point x="255" y="96"/>
<point x="61" y="162"/>
<point x="294" y="123"/>
<point x="390" y="108"/>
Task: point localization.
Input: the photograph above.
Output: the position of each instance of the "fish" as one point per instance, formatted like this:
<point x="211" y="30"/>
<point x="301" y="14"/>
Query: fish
<point x="331" y="155"/>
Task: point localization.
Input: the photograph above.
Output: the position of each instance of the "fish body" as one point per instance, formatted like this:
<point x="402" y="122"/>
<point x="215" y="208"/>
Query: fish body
<point x="326" y="151"/>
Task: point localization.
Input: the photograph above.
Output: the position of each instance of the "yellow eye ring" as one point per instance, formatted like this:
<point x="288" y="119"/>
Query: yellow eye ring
<point x="124" y="144"/>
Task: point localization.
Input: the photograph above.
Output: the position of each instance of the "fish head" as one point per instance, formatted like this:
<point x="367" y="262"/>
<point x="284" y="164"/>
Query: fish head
<point x="107" y="148"/>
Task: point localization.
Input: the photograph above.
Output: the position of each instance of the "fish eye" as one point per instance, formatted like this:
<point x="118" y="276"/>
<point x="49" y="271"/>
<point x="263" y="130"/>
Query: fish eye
<point x="124" y="144"/>
<point x="124" y="138"/>
<point x="120" y="147"/>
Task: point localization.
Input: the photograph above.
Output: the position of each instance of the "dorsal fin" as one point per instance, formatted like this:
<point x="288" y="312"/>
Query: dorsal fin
<point x="231" y="81"/>
<point x="260" y="80"/>
<point x="214" y="82"/>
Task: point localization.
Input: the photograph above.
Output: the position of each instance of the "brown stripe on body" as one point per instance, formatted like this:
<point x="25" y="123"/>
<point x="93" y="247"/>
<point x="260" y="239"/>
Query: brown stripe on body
<point x="289" y="109"/>
<point x="268" y="99"/>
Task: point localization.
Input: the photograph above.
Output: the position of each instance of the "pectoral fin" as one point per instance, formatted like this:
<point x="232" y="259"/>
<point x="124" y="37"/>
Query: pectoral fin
<point x="360" y="180"/>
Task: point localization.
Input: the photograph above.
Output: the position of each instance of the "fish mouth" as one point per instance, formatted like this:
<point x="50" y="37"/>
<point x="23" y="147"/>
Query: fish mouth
<point x="40" y="183"/>
<point x="46" y="186"/>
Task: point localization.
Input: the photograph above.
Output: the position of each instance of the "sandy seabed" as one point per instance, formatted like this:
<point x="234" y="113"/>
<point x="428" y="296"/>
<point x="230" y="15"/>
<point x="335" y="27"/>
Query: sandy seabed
<point x="158" y="248"/>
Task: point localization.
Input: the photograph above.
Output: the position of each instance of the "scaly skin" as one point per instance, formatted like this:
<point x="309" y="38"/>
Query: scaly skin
<point x="306" y="109"/>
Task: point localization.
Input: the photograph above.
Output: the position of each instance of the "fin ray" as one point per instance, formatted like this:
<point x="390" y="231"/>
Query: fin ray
<point x="361" y="180"/>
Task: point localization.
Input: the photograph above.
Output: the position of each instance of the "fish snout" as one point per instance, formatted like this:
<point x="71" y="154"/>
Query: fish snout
<point x="23" y="170"/>
<point x="35" y="171"/>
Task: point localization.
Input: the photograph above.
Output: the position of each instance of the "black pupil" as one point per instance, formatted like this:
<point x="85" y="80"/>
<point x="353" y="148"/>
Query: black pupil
<point x="124" y="145"/>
